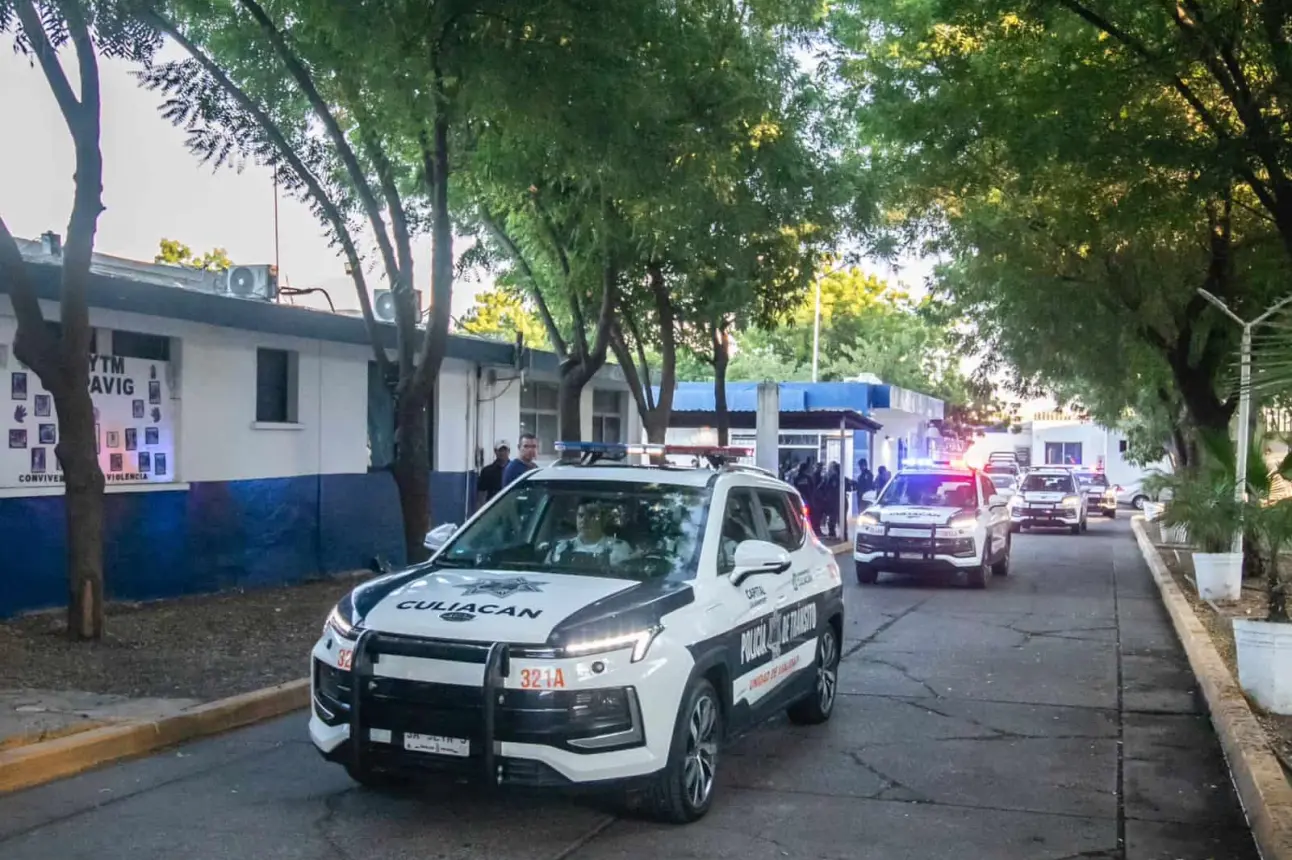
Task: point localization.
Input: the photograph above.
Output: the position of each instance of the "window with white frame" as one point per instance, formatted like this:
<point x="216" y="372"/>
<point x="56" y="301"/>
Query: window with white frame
<point x="538" y="414"/>
<point x="607" y="416"/>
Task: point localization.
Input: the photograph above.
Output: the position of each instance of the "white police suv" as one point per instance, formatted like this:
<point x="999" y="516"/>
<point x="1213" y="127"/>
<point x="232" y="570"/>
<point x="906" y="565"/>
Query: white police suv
<point x="1049" y="497"/>
<point x="596" y="622"/>
<point x="934" y="517"/>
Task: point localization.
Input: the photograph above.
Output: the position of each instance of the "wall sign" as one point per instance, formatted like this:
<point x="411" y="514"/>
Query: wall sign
<point x="133" y="420"/>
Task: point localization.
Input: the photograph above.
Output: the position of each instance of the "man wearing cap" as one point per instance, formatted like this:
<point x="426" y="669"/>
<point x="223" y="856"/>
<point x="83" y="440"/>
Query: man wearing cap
<point x="489" y="483"/>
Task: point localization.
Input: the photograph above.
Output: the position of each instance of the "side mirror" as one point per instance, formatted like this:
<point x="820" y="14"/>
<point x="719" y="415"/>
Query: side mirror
<point x="996" y="501"/>
<point x="439" y="536"/>
<point x="378" y="564"/>
<point x="868" y="497"/>
<point x="753" y="557"/>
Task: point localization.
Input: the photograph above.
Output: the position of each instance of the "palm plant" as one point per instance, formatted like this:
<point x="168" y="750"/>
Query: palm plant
<point x="1203" y="501"/>
<point x="1274" y="525"/>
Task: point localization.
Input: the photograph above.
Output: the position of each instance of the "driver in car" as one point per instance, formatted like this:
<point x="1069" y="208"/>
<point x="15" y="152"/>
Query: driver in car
<point x="590" y="544"/>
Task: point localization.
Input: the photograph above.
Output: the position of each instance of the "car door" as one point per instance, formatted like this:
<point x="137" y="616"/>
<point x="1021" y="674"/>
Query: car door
<point x="994" y="519"/>
<point x="792" y="629"/>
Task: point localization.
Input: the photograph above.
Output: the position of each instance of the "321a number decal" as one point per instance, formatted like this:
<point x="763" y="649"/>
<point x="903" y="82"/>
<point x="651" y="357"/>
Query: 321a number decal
<point x="542" y="679"/>
<point x="344" y="658"/>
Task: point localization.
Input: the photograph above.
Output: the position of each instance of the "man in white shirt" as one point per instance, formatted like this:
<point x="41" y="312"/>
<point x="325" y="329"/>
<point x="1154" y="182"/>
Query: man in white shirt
<point x="590" y="543"/>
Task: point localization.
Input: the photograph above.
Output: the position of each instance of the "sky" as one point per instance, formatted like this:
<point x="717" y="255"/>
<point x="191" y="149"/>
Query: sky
<point x="154" y="188"/>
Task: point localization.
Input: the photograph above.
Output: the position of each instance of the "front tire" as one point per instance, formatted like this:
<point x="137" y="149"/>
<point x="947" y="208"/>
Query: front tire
<point x="817" y="707"/>
<point x="866" y="575"/>
<point x="1075" y="528"/>
<point x="1138" y="502"/>
<point x="978" y="576"/>
<point x="684" y="791"/>
<point x="1001" y="568"/>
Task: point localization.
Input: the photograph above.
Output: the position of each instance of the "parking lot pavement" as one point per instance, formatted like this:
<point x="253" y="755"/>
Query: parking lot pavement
<point x="1051" y="716"/>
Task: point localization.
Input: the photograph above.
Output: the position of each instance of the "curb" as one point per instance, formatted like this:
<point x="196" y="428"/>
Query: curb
<point x="1262" y="787"/>
<point x="39" y="763"/>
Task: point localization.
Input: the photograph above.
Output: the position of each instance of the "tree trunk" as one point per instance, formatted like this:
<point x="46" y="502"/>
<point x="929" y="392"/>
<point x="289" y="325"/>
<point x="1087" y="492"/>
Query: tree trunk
<point x="569" y="400"/>
<point x="83" y="502"/>
<point x="656" y="425"/>
<point x="412" y="471"/>
<point x="1278" y="606"/>
<point x="721" y="357"/>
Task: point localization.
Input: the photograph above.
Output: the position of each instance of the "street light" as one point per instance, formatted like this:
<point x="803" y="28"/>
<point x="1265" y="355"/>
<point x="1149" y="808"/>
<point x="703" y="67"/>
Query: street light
<point x="816" y="330"/>
<point x="1244" y="394"/>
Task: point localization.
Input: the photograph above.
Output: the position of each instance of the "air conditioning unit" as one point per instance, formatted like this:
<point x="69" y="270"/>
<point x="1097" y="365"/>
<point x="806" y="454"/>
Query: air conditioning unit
<point x="249" y="282"/>
<point x="383" y="304"/>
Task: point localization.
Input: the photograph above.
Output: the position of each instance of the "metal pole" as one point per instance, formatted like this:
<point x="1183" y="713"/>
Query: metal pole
<point x="816" y="330"/>
<point x="1244" y="419"/>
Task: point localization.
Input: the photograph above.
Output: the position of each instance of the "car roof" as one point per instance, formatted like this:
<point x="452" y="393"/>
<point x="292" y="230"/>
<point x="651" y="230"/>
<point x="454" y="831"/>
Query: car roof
<point x="683" y="476"/>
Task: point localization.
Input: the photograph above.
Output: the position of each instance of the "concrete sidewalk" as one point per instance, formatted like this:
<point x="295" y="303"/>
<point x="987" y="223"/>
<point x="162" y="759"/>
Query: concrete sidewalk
<point x="32" y="716"/>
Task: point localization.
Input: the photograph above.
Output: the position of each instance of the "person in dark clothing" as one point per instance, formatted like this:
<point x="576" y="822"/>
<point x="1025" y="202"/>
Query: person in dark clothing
<point x="489" y="483"/>
<point x="881" y="479"/>
<point x="523" y="463"/>
<point x="830" y="511"/>
<point x="865" y="480"/>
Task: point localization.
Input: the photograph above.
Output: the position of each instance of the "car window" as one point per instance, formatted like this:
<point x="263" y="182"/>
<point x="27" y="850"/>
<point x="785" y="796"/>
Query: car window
<point x="784" y="518"/>
<point x="1047" y="483"/>
<point x="620" y="529"/>
<point x="738" y="524"/>
<point x="931" y="490"/>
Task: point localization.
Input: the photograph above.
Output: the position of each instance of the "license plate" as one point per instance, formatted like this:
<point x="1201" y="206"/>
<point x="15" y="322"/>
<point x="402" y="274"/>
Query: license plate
<point x="908" y="533"/>
<point x="460" y="747"/>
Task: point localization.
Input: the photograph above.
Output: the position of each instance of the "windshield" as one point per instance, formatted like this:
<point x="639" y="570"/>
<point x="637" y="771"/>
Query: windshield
<point x="619" y="529"/>
<point x="943" y="491"/>
<point x="1003" y="482"/>
<point x="1047" y="483"/>
<point x="1092" y="479"/>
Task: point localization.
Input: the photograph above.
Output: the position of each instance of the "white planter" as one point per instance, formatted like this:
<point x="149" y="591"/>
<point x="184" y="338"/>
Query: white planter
<point x="1152" y="510"/>
<point x="1218" y="575"/>
<point x="1265" y="663"/>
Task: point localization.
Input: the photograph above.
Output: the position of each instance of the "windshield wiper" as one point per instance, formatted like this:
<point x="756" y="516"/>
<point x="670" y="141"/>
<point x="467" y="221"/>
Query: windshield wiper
<point x="453" y="562"/>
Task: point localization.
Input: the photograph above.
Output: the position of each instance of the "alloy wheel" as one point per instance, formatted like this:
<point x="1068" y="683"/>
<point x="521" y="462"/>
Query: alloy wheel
<point x="701" y="751"/>
<point x="827" y="672"/>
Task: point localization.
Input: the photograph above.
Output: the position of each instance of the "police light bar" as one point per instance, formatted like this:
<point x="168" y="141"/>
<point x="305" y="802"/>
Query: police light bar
<point x="708" y="450"/>
<point x="590" y="452"/>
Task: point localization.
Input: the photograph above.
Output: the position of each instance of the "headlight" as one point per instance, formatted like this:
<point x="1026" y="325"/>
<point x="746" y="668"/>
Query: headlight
<point x="342" y="620"/>
<point x="960" y="527"/>
<point x="640" y="642"/>
<point x="869" y="525"/>
<point x="1072" y="501"/>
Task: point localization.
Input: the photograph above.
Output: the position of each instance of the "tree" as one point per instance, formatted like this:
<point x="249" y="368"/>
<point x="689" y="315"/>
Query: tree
<point x="361" y="129"/>
<point x="61" y="356"/>
<point x="502" y="313"/>
<point x="178" y="254"/>
<point x="1077" y="238"/>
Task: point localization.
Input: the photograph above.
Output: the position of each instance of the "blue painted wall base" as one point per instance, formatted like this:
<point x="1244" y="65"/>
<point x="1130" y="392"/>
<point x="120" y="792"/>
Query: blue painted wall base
<point x="214" y="536"/>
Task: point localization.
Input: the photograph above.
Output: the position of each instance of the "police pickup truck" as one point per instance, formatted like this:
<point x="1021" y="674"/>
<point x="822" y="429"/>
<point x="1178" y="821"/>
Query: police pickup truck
<point x="596" y="623"/>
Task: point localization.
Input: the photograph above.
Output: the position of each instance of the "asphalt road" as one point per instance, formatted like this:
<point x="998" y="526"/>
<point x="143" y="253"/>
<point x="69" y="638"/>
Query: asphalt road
<point x="1050" y="717"/>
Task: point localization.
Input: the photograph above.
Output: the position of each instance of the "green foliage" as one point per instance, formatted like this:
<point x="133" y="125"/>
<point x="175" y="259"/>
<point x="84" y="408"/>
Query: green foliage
<point x="500" y="313"/>
<point x="177" y="253"/>
<point x="867" y="326"/>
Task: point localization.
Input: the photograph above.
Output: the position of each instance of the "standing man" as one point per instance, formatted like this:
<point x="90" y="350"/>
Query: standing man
<point x="489" y="484"/>
<point x="523" y="463"/>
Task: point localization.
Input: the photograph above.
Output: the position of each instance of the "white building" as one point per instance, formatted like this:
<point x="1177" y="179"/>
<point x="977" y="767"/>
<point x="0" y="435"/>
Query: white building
<point x="246" y="441"/>
<point x="1060" y="437"/>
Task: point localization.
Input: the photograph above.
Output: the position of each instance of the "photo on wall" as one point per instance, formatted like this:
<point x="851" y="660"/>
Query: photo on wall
<point x="137" y="409"/>
<point x="114" y="439"/>
<point x="37" y="460"/>
<point x="114" y="462"/>
<point x="18" y="385"/>
<point x="159" y="463"/>
<point x="44" y="404"/>
<point x="17" y="438"/>
<point x="48" y="434"/>
<point x="145" y="462"/>
<point x="152" y="436"/>
<point x="132" y="438"/>
<point x="154" y="391"/>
